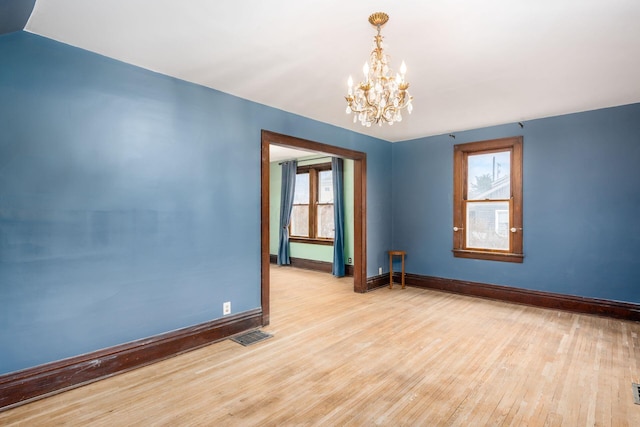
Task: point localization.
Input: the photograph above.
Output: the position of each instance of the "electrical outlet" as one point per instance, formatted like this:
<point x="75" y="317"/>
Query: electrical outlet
<point x="349" y="261"/>
<point x="379" y="270"/>
<point x="226" y="308"/>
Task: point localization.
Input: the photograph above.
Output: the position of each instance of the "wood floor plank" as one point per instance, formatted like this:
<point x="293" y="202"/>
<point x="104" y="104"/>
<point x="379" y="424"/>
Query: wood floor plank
<point x="388" y="357"/>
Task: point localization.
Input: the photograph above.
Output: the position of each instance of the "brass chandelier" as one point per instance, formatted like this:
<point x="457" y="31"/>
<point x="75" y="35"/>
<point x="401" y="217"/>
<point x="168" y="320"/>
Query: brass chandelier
<point x="381" y="96"/>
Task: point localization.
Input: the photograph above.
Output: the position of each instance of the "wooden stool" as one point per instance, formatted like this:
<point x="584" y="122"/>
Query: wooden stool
<point x="391" y="254"/>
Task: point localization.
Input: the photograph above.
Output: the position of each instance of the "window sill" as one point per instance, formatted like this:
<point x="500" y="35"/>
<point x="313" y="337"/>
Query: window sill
<point x="325" y="242"/>
<point x="490" y="256"/>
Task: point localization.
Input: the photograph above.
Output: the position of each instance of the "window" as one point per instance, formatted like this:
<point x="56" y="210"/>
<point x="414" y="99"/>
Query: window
<point x="312" y="215"/>
<point x="487" y="197"/>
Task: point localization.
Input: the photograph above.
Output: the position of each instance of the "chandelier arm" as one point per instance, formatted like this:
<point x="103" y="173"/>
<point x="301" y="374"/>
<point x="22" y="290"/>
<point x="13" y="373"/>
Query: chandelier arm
<point x="368" y="115"/>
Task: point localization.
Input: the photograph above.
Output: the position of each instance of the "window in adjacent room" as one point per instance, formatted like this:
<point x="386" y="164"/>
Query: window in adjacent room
<point x="487" y="197"/>
<point x="312" y="215"/>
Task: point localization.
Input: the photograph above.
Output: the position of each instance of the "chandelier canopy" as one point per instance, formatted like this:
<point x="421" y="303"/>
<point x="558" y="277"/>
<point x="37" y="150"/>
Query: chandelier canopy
<point x="381" y="96"/>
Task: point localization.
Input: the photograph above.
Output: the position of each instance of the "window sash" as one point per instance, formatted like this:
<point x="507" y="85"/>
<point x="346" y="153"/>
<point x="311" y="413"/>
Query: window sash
<point x="297" y="228"/>
<point x="320" y="230"/>
<point x="494" y="233"/>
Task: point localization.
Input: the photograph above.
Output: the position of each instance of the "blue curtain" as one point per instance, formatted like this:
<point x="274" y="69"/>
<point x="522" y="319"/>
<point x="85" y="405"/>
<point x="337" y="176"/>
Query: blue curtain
<point x="289" y="170"/>
<point x="338" y="216"/>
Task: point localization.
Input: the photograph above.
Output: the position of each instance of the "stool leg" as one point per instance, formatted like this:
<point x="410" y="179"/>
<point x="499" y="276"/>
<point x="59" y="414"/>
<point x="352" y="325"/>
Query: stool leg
<point x="390" y="271"/>
<point x="402" y="271"/>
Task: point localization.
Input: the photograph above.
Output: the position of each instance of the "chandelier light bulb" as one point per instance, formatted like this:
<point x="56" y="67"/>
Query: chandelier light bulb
<point x="381" y="96"/>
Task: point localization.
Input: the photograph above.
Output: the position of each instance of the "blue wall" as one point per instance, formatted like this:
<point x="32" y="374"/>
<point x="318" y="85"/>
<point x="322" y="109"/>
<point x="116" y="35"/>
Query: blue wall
<point x="130" y="201"/>
<point x="14" y="14"/>
<point x="581" y="183"/>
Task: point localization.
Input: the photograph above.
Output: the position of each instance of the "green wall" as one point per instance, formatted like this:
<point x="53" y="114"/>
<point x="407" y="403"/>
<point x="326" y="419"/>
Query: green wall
<point x="305" y="250"/>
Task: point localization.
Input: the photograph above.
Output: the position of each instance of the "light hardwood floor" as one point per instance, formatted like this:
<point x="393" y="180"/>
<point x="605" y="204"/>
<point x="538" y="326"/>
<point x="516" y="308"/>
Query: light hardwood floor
<point x="395" y="357"/>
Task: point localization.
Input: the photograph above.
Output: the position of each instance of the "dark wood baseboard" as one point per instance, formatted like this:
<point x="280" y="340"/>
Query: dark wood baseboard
<point x="595" y="306"/>
<point x="41" y="381"/>
<point x="379" y="281"/>
<point x="309" y="264"/>
<point x="348" y="270"/>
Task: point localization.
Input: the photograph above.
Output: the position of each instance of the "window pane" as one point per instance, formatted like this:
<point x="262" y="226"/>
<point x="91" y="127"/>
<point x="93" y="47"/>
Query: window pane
<point x="488" y="225"/>
<point x="300" y="220"/>
<point x="325" y="221"/>
<point x="488" y="176"/>
<point x="301" y="195"/>
<point x="325" y="187"/>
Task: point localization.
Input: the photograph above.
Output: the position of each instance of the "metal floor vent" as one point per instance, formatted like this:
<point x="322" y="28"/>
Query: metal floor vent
<point x="636" y="393"/>
<point x="251" y="337"/>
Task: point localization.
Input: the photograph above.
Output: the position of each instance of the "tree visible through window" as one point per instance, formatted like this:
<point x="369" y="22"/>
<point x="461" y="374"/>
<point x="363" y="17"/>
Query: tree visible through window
<point x="312" y="215"/>
<point x="488" y="200"/>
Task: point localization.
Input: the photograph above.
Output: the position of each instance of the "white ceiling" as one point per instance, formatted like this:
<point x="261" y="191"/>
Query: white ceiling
<point x="471" y="63"/>
<point x="278" y="153"/>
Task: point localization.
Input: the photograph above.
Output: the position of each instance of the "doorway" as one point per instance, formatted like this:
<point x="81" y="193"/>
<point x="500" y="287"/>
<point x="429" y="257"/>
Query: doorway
<point x="360" y="201"/>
